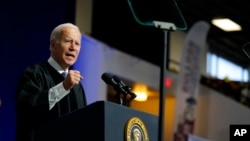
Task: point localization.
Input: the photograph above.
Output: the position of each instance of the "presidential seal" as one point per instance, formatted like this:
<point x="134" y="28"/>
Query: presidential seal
<point x="135" y="130"/>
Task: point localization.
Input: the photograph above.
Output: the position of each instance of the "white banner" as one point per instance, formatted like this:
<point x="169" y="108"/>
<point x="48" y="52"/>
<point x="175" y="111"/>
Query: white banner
<point x="188" y="80"/>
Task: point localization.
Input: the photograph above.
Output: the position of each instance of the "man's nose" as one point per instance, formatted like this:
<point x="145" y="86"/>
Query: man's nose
<point x="72" y="45"/>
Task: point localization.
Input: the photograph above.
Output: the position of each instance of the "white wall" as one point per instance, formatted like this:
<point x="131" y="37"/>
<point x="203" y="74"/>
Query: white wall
<point x="84" y="15"/>
<point x="215" y="113"/>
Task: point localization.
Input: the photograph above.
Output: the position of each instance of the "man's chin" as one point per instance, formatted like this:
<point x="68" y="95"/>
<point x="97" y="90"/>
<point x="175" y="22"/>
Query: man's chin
<point x="70" y="63"/>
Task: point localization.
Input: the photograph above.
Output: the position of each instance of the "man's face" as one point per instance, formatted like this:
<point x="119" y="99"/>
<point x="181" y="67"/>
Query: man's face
<point x="66" y="47"/>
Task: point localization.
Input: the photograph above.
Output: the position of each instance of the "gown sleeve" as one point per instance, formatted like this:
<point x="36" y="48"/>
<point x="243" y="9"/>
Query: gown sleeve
<point x="32" y="96"/>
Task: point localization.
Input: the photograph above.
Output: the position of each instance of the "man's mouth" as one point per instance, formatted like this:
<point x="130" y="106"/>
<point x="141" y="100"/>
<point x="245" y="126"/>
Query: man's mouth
<point x="70" y="55"/>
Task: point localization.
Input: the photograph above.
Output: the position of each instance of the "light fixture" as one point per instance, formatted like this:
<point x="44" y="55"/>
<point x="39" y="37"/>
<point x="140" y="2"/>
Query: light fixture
<point x="141" y="92"/>
<point x="226" y="24"/>
<point x="141" y="96"/>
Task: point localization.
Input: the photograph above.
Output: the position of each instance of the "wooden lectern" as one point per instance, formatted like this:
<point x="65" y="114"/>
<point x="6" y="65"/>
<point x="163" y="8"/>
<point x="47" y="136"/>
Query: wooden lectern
<point x="100" y="121"/>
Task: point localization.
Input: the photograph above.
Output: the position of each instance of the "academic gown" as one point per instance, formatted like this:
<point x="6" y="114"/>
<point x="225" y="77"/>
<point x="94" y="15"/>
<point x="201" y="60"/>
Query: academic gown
<point x="32" y="106"/>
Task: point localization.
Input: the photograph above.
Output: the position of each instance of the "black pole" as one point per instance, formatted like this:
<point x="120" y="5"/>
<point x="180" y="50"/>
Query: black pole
<point x="162" y="87"/>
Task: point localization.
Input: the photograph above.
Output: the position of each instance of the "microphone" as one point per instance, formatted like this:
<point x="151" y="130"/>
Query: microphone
<point x="109" y="79"/>
<point x="120" y="87"/>
<point x="127" y="88"/>
<point x="118" y="80"/>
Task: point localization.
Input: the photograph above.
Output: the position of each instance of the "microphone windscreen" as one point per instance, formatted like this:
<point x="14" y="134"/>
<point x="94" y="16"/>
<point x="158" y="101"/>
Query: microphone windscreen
<point x="107" y="78"/>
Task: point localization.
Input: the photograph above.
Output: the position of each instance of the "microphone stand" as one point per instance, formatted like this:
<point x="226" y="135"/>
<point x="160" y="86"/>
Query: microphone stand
<point x="132" y="95"/>
<point x="162" y="88"/>
<point x="122" y="96"/>
<point x="120" y="92"/>
<point x="165" y="27"/>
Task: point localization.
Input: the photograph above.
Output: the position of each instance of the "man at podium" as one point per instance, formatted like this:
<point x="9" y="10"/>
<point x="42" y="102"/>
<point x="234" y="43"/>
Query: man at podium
<point x="50" y="89"/>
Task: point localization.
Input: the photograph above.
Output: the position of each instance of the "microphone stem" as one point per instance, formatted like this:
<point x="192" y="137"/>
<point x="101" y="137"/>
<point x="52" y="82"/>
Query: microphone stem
<point x="121" y="101"/>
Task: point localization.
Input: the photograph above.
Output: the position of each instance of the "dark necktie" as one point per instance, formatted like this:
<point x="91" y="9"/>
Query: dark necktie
<point x="68" y="103"/>
<point x="64" y="74"/>
<point x="64" y="104"/>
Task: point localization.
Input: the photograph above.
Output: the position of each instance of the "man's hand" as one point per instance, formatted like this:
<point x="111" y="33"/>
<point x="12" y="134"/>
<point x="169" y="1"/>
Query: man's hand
<point x="73" y="78"/>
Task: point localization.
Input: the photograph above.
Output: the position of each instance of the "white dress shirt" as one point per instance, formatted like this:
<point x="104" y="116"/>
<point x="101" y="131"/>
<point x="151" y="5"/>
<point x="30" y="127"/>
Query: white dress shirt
<point x="57" y="92"/>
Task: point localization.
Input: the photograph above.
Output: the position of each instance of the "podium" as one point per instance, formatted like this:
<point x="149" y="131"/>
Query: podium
<point x="99" y="121"/>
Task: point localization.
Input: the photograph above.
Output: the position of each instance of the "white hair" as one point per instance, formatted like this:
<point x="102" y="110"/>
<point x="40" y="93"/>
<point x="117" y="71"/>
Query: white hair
<point x="57" y="30"/>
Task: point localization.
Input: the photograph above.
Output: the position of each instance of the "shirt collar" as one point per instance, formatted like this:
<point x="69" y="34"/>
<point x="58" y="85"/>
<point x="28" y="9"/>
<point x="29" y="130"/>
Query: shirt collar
<point x="56" y="66"/>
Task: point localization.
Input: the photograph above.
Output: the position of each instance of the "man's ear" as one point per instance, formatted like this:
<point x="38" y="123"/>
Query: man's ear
<point x="52" y="44"/>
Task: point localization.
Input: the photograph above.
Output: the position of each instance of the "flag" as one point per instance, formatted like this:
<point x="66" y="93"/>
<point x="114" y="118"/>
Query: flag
<point x="188" y="80"/>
